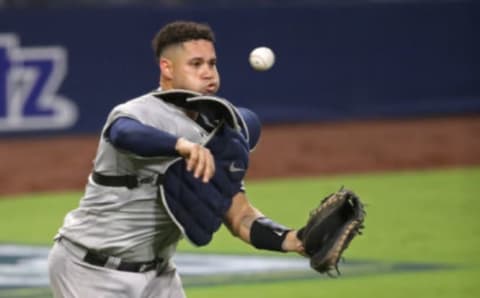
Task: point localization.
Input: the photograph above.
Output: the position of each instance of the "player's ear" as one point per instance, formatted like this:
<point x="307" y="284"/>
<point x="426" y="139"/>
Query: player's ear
<point x="166" y="67"/>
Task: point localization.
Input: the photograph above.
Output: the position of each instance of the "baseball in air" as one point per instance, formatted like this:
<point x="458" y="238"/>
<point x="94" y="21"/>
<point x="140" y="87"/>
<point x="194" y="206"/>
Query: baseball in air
<point x="262" y="58"/>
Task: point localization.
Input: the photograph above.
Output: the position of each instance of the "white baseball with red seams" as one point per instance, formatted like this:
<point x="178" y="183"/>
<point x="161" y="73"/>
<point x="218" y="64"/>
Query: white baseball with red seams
<point x="262" y="58"/>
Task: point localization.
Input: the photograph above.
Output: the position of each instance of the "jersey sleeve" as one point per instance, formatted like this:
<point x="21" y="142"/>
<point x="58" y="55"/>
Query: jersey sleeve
<point x="143" y="140"/>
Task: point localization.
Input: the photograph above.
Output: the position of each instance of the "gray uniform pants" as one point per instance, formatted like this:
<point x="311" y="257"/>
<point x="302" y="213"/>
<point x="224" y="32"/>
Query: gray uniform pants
<point x="71" y="277"/>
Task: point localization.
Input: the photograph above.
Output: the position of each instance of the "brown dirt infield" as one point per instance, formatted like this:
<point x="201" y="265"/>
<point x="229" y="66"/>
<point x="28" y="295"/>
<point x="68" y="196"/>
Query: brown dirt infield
<point x="63" y="163"/>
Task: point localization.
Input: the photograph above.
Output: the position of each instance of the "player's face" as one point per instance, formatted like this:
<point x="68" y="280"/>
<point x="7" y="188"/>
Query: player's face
<point x="195" y="67"/>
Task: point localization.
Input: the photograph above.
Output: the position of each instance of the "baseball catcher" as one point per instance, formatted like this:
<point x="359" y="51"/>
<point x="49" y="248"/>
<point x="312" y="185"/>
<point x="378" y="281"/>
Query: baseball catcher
<point x="330" y="229"/>
<point x="171" y="164"/>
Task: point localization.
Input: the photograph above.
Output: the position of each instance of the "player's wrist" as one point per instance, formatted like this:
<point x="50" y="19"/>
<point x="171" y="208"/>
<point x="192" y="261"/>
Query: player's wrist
<point x="292" y="242"/>
<point x="182" y="146"/>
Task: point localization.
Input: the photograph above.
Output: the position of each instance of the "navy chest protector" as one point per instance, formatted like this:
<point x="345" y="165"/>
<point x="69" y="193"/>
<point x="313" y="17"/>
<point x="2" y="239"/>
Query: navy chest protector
<point x="198" y="208"/>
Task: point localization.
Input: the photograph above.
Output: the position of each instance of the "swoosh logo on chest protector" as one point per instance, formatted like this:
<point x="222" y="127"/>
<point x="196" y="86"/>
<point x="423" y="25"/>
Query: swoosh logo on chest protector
<point x="233" y="168"/>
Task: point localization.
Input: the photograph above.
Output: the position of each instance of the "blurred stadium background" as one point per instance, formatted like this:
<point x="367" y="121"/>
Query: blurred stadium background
<point x="383" y="95"/>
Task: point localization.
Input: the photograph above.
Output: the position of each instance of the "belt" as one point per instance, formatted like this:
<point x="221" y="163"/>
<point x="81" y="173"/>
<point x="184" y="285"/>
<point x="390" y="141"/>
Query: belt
<point x="97" y="259"/>
<point x="102" y="260"/>
<point x="129" y="181"/>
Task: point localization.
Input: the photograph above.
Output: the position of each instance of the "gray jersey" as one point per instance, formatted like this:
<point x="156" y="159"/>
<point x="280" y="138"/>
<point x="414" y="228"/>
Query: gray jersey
<point x="131" y="223"/>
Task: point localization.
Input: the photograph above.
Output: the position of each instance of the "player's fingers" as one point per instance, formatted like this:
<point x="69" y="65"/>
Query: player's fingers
<point x="209" y="167"/>
<point x="193" y="157"/>
<point x="200" y="166"/>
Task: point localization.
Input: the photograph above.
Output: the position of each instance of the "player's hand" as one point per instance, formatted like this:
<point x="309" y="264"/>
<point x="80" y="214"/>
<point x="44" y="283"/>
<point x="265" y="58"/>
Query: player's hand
<point x="198" y="158"/>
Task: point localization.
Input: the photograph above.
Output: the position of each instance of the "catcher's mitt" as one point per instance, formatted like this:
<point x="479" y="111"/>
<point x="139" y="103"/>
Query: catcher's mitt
<point x="330" y="228"/>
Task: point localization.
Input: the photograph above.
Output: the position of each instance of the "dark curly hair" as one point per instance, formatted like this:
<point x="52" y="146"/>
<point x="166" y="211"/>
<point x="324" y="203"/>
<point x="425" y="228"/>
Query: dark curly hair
<point x="178" y="32"/>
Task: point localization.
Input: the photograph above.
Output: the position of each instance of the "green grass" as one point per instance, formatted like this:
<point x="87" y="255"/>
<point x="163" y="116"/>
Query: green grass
<point x="34" y="219"/>
<point x="421" y="216"/>
<point x="452" y="284"/>
<point x="432" y="212"/>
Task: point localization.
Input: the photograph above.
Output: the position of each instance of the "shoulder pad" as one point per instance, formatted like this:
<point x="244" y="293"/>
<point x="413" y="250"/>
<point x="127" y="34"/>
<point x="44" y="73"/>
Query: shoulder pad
<point x="175" y="96"/>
